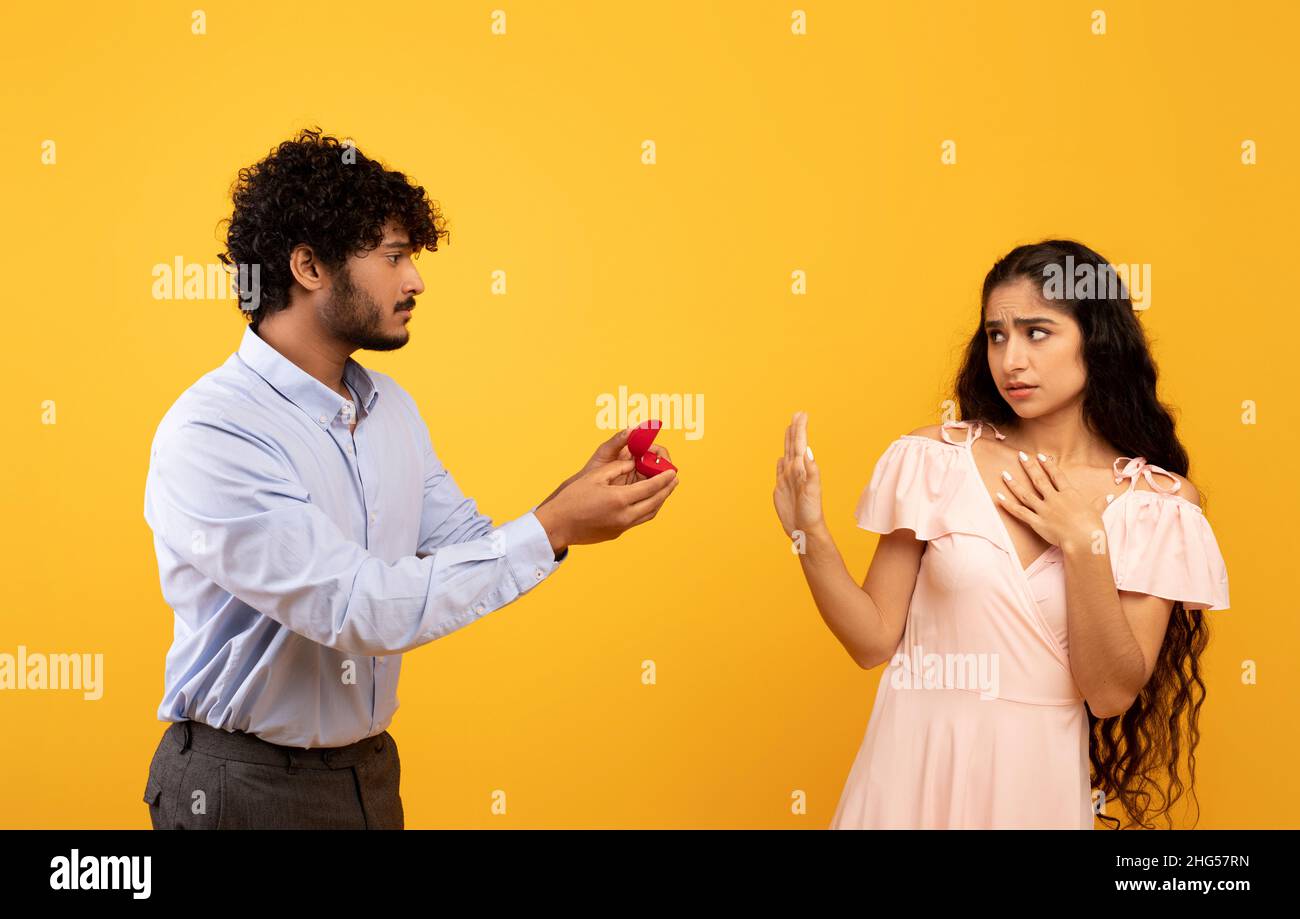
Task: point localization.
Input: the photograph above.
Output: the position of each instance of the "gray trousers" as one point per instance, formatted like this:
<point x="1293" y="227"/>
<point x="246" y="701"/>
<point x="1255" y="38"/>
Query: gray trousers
<point x="206" y="778"/>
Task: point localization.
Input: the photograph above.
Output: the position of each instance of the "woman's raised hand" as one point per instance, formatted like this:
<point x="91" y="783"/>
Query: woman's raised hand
<point x="798" y="492"/>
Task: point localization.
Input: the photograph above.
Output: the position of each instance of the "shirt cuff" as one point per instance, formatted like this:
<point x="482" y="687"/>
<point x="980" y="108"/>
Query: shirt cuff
<point x="528" y="550"/>
<point x="563" y="554"/>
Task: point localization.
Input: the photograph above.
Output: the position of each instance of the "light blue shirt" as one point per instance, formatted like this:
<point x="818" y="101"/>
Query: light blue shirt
<point x="302" y="560"/>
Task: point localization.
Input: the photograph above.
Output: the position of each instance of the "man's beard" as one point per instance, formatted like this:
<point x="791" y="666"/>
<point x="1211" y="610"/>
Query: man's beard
<point x="352" y="315"/>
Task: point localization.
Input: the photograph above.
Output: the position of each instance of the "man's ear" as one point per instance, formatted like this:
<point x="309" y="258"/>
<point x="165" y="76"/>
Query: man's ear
<point x="307" y="270"/>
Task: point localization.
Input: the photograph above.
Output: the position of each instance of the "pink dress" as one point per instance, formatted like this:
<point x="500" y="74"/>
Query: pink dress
<point x="977" y="721"/>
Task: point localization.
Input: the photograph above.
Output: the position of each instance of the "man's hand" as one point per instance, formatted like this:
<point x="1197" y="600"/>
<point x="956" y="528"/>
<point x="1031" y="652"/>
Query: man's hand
<point x="611" y="451"/>
<point x="594" y="507"/>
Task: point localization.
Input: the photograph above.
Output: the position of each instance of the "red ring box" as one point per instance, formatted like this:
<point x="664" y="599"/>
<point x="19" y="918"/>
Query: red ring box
<point x="638" y="444"/>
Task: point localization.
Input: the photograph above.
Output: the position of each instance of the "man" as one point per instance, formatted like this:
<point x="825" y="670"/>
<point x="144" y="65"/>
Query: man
<point x="307" y="533"/>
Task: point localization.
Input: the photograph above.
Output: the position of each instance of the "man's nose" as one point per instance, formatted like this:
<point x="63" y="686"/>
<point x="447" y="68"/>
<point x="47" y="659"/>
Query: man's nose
<point x="415" y="284"/>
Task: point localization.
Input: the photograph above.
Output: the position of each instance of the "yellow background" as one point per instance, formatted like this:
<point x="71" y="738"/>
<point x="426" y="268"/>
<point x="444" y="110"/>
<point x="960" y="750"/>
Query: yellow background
<point x="776" y="152"/>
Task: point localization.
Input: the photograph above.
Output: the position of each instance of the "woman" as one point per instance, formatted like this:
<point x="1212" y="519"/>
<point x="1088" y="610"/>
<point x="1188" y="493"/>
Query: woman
<point x="995" y="702"/>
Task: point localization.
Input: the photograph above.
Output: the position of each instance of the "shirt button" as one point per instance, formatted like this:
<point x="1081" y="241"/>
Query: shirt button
<point x="479" y="609"/>
<point x="372" y="517"/>
<point x="539" y="573"/>
<point x="323" y="419"/>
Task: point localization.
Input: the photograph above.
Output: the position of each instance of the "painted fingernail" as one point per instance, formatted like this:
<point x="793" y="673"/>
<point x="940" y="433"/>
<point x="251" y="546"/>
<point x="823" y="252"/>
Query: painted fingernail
<point x="808" y="450"/>
<point x="1041" y="458"/>
<point x="1001" y="497"/>
<point x="1024" y="456"/>
<point x="1006" y="475"/>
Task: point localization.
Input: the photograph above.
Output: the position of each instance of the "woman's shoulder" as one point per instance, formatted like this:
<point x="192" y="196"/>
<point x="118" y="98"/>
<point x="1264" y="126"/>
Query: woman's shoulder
<point x="1186" y="490"/>
<point x="924" y="448"/>
<point x="936" y="433"/>
<point x="1154" y="480"/>
<point x="930" y="431"/>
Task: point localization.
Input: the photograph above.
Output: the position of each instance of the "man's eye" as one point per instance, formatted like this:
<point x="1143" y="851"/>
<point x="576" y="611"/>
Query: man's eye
<point x="394" y="257"/>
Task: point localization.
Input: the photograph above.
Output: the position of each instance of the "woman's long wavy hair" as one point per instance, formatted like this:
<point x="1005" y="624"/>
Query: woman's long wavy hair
<point x="1130" y="752"/>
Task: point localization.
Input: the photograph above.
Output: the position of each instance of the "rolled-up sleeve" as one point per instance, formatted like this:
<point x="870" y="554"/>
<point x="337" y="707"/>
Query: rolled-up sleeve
<point x="232" y="506"/>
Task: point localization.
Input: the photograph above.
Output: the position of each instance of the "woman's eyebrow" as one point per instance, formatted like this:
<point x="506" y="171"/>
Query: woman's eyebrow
<point x="1031" y="320"/>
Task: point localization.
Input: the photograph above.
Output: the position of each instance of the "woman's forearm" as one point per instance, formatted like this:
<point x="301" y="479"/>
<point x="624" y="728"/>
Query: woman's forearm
<point x="847" y="609"/>
<point x="1105" y="658"/>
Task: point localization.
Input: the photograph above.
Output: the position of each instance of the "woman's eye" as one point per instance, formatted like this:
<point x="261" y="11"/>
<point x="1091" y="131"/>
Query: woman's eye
<point x="993" y="336"/>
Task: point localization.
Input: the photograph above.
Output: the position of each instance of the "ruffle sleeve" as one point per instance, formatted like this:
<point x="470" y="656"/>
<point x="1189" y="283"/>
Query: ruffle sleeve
<point x="920" y="484"/>
<point x="1163" y="545"/>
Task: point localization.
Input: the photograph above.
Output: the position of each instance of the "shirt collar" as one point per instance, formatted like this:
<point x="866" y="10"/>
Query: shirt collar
<point x="318" y="401"/>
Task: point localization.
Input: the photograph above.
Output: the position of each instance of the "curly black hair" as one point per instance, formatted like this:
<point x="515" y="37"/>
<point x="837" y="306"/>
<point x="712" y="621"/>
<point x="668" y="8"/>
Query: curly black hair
<point x="325" y="193"/>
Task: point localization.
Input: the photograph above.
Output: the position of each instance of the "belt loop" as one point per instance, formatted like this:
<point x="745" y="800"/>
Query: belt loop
<point x="185" y="736"/>
<point x="293" y="766"/>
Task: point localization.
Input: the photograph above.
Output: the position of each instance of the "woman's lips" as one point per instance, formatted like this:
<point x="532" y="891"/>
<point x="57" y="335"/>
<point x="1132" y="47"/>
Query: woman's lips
<point x="1023" y="392"/>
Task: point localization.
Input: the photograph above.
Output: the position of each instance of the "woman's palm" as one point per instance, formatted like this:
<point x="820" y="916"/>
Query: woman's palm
<point x="798" y="492"/>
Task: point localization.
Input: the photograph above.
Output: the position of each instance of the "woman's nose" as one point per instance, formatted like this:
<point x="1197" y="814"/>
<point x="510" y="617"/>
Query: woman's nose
<point x="1013" y="357"/>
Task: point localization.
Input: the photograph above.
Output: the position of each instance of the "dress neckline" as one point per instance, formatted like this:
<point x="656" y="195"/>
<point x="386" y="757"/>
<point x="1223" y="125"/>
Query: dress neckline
<point x="1133" y="468"/>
